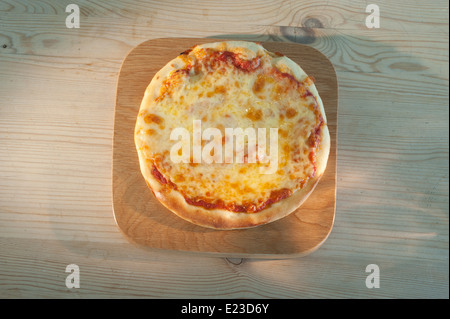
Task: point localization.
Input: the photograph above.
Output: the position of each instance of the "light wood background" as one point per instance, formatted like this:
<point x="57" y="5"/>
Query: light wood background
<point x="57" y="93"/>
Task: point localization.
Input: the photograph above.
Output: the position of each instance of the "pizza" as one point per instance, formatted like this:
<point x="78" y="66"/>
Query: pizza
<point x="230" y="135"/>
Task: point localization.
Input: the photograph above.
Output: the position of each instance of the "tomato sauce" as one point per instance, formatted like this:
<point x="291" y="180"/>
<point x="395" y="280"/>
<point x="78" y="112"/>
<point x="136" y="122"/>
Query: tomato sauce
<point x="275" y="196"/>
<point x="237" y="61"/>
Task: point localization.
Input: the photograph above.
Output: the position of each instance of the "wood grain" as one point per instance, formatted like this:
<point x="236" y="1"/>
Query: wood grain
<point x="58" y="86"/>
<point x="145" y="221"/>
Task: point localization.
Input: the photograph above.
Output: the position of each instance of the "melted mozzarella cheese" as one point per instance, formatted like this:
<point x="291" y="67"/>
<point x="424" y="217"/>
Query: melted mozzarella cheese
<point x="225" y="96"/>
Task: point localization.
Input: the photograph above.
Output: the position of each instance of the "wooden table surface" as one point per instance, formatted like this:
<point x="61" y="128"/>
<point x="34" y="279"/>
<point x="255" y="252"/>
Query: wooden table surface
<point x="57" y="95"/>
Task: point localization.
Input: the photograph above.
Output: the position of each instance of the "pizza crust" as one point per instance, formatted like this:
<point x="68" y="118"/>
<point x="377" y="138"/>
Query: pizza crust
<point x="221" y="218"/>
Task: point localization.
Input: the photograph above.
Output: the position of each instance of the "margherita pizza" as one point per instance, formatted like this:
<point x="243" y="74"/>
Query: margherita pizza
<point x="230" y="135"/>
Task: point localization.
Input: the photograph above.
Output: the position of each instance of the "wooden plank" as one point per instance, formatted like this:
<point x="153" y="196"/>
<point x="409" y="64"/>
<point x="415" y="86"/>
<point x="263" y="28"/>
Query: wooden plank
<point x="36" y="268"/>
<point x="143" y="220"/>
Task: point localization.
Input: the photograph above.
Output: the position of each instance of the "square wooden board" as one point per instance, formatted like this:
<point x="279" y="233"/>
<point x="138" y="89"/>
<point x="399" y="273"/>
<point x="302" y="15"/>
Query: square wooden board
<point x="144" y="221"/>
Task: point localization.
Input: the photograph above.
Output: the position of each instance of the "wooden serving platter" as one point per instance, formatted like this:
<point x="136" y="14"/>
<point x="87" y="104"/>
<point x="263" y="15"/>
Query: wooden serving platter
<point x="144" y="221"/>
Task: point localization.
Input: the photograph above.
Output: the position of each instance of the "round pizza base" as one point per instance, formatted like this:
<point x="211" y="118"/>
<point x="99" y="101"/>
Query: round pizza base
<point x="220" y="218"/>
